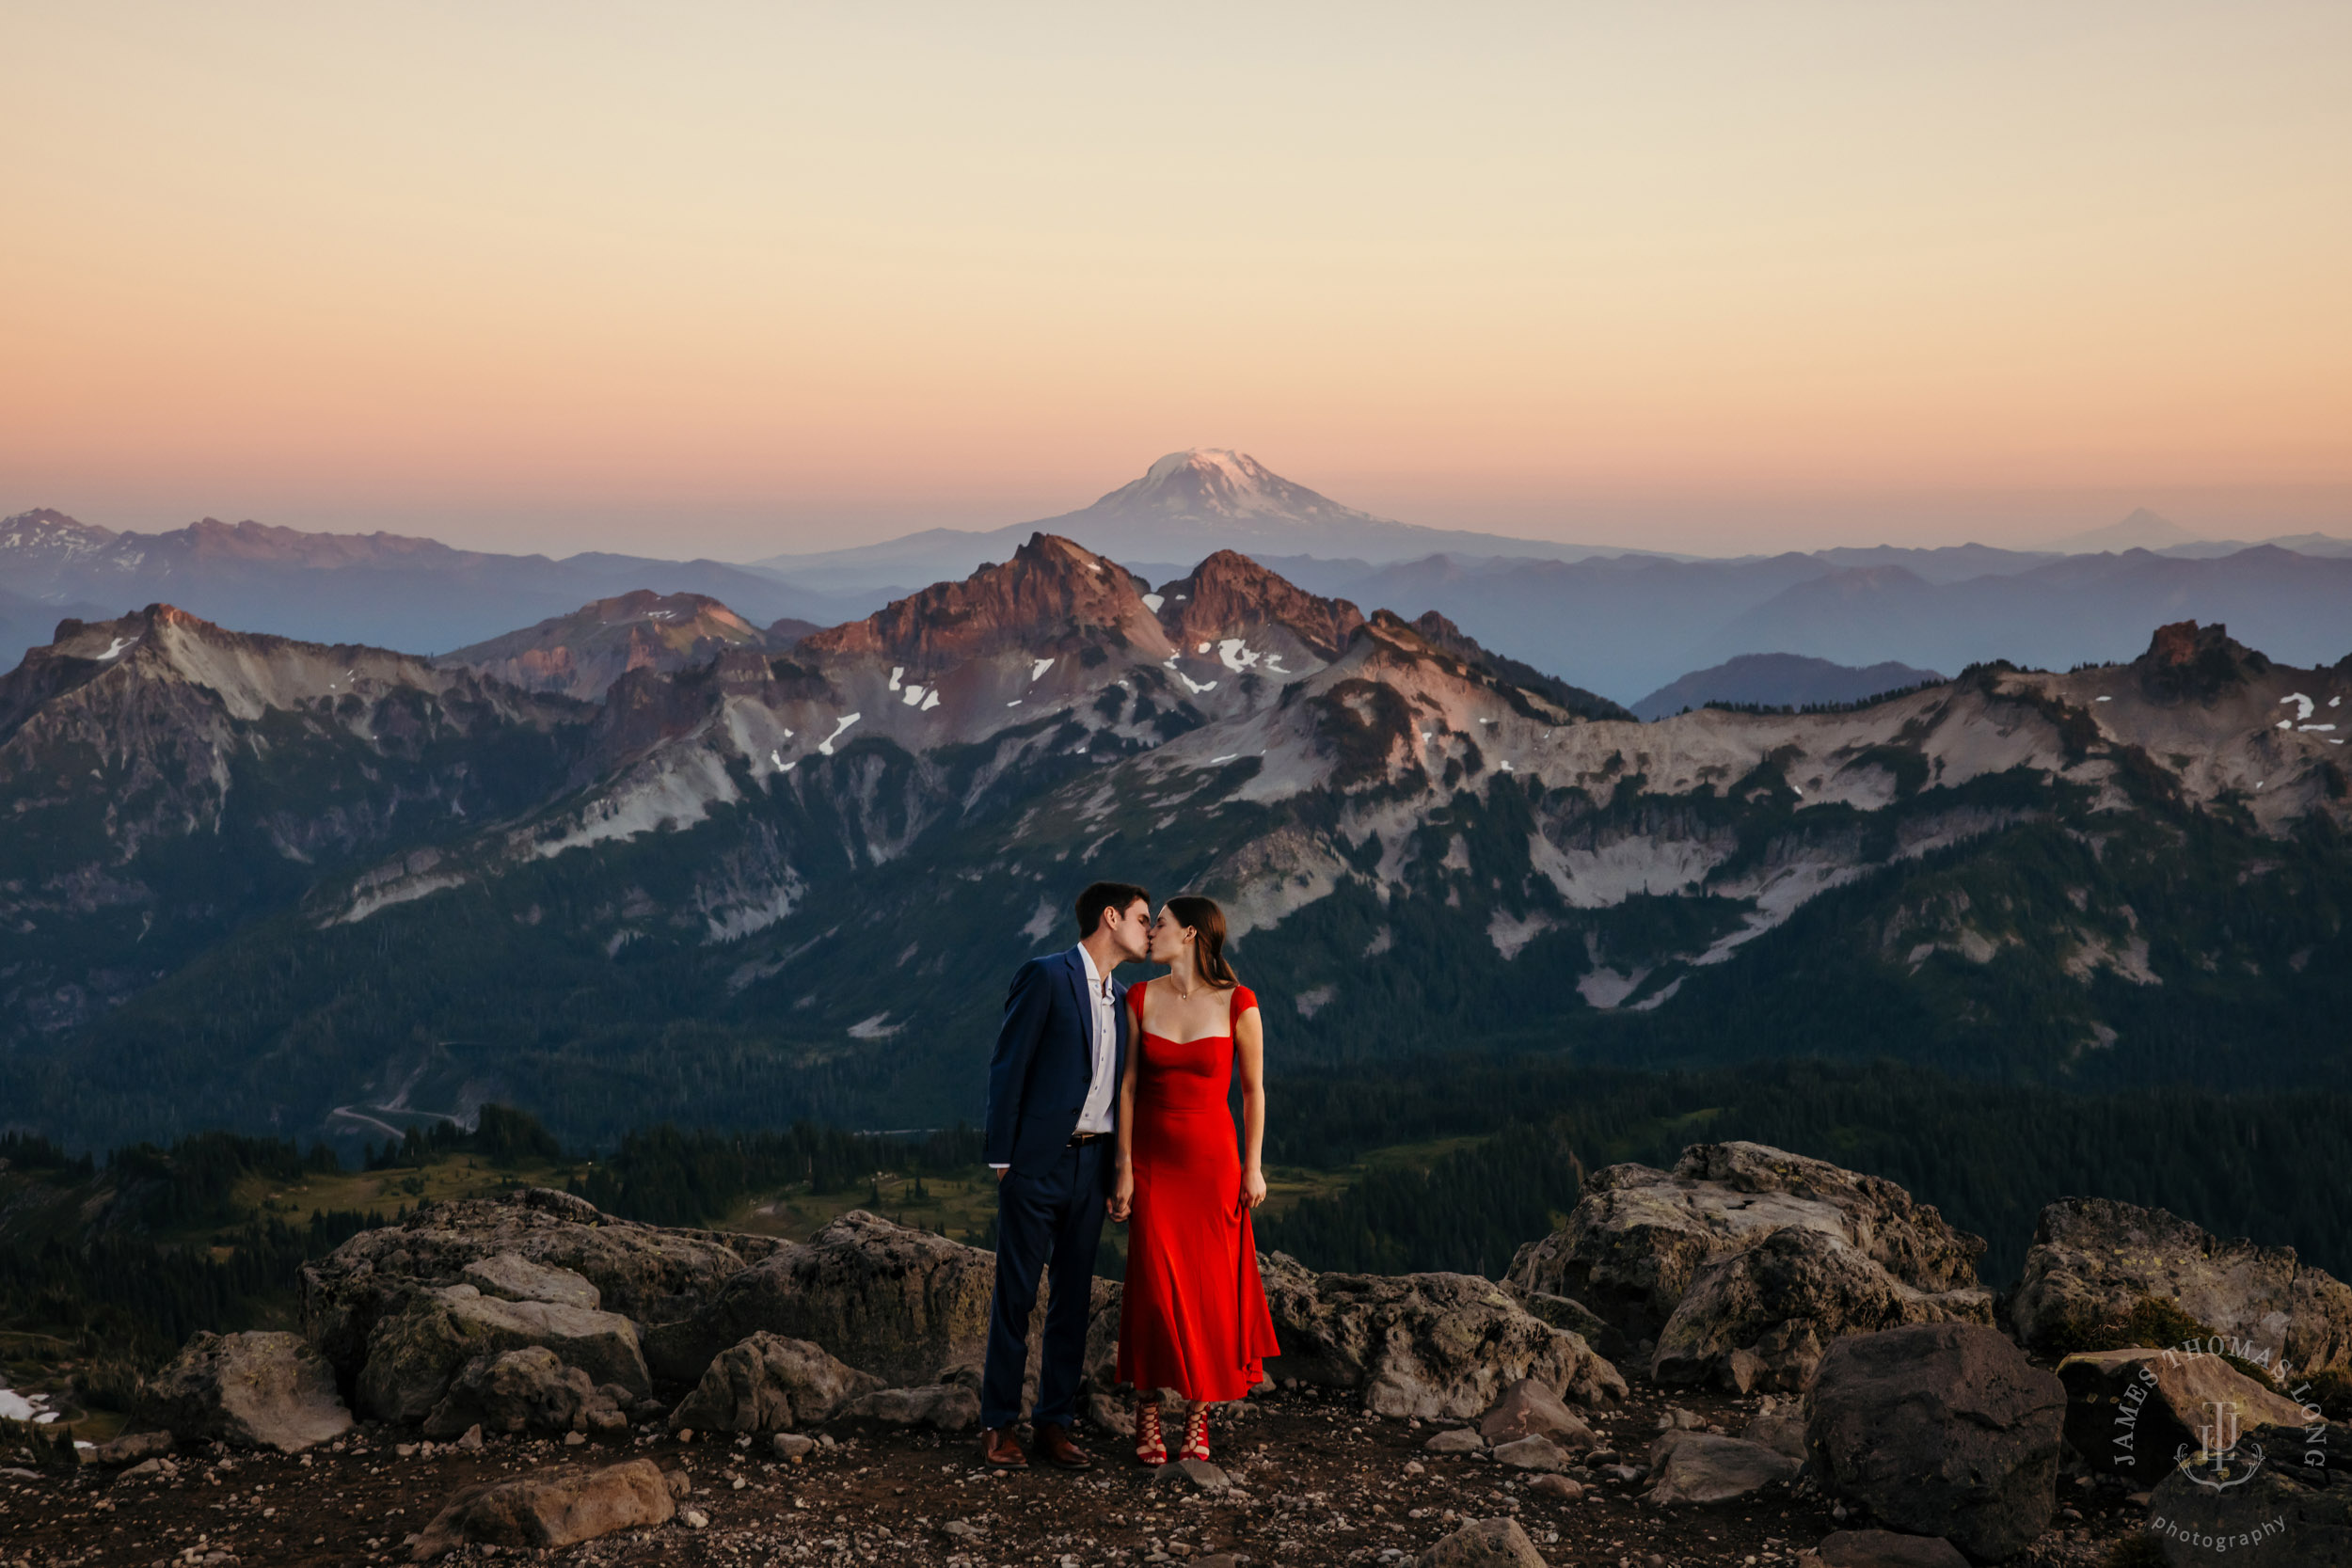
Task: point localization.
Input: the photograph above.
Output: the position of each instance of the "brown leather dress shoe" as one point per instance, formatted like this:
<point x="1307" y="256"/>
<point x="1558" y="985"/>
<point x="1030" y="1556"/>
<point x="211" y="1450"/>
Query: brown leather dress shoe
<point x="1052" y="1441"/>
<point x="1001" y="1451"/>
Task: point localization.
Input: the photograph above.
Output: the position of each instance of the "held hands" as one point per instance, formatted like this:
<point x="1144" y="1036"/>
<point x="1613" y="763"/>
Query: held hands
<point x="1122" y="1198"/>
<point x="1252" y="1186"/>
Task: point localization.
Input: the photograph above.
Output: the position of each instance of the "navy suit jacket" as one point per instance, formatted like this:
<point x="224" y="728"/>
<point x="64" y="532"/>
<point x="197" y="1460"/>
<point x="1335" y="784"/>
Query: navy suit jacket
<point x="1043" y="1064"/>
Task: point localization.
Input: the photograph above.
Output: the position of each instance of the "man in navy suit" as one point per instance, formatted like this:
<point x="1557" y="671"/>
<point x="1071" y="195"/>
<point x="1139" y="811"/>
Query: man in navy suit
<point x="1052" y="1108"/>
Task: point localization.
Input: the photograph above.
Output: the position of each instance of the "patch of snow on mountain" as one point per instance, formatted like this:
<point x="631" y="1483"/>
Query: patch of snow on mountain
<point x="405" y="891"/>
<point x="1614" y="871"/>
<point x="1235" y="653"/>
<point x="677" y="794"/>
<point x="1038" y="667"/>
<point x="1665" y="992"/>
<point x="1605" y="988"/>
<point x="840" y="727"/>
<point x="16" y="1407"/>
<point x="1152" y="602"/>
<point x="1509" y="932"/>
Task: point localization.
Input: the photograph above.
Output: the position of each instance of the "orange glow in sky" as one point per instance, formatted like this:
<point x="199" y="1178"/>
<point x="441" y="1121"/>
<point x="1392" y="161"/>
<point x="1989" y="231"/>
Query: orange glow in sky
<point x="732" y="279"/>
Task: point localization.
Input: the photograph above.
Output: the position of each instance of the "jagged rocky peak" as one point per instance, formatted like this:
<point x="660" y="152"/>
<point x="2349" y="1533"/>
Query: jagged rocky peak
<point x="584" y="653"/>
<point x="245" y="673"/>
<point x="1052" y="597"/>
<point x="2185" y="661"/>
<point x="1230" y="596"/>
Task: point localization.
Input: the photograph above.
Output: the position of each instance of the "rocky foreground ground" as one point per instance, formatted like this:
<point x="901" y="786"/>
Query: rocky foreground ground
<point x="1753" y="1358"/>
<point x="1314" y="1480"/>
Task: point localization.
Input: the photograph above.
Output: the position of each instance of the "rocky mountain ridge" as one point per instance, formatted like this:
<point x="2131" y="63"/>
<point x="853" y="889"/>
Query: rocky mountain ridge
<point x="756" y="830"/>
<point x="582" y="654"/>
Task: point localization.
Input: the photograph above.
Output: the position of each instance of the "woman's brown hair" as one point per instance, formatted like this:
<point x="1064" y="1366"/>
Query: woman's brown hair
<point x="1207" y="924"/>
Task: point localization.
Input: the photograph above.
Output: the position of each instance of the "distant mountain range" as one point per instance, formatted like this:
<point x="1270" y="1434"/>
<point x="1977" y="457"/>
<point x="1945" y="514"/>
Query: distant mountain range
<point x="1185" y="505"/>
<point x="1779" y="680"/>
<point x="375" y="588"/>
<point x="1627" y="626"/>
<point x="1620" y="622"/>
<point x="267" y="883"/>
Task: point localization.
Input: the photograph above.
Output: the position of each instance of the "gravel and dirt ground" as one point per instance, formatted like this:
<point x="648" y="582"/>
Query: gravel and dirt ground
<point x="1316" y="1481"/>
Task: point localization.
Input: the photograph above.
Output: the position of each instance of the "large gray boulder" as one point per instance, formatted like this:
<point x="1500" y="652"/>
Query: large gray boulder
<point x="1781" y="1301"/>
<point x="1639" y="1239"/>
<point x="558" y="1507"/>
<point x="256" y="1390"/>
<point x="1941" y="1429"/>
<point x="890" y="1300"/>
<point x="414" y="1352"/>
<point x="511" y="1276"/>
<point x="650" y="1273"/>
<point x="523" y="1391"/>
<point x="770" y="1384"/>
<point x="2093" y="1260"/>
<point x="2281" y="1512"/>
<point x="1664" y="1257"/>
<point x="1423" y="1344"/>
<point x="2131" y="1412"/>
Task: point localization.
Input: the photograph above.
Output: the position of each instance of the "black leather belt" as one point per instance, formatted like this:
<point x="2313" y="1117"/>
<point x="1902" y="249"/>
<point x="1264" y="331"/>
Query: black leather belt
<point x="1077" y="1138"/>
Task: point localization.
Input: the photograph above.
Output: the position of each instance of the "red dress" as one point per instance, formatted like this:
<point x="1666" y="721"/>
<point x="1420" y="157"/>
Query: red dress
<point x="1193" y="1315"/>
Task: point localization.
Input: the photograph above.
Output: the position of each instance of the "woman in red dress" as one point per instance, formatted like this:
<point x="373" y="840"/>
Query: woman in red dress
<point x="1193" y="1314"/>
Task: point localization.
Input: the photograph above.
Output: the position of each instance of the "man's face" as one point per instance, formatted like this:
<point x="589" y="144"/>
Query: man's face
<point x="1131" y="931"/>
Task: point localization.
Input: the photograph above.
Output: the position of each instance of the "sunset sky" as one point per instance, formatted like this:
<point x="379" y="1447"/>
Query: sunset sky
<point x="732" y="279"/>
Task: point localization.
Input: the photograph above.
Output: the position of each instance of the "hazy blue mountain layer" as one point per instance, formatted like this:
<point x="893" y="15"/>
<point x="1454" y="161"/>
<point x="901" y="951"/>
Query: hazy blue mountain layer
<point x="1779" y="680"/>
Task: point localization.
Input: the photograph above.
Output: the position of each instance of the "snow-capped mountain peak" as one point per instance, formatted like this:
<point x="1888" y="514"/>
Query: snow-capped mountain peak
<point x="1212" y="484"/>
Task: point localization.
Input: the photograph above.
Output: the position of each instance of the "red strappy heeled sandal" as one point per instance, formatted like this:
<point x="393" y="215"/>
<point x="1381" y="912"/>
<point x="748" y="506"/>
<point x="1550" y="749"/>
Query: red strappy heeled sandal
<point x="1196" y="1433"/>
<point x="1150" y="1445"/>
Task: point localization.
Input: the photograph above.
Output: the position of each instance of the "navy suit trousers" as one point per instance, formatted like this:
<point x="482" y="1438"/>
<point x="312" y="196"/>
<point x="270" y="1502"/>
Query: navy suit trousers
<point x="1053" y="1216"/>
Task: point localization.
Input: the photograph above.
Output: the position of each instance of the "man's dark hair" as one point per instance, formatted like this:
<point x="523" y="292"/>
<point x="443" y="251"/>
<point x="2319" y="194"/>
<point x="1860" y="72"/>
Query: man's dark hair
<point x="1106" y="895"/>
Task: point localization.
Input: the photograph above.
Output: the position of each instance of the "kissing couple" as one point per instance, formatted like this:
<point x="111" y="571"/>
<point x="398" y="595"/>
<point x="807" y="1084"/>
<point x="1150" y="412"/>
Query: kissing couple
<point x="1102" y="1105"/>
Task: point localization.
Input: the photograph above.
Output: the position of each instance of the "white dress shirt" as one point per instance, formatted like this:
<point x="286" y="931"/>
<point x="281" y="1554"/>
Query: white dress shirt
<point x="1095" y="1114"/>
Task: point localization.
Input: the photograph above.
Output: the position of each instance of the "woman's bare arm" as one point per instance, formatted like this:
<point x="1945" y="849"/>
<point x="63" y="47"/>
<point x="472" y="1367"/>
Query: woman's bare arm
<point x="1123" y="1177"/>
<point x="1249" y="1040"/>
